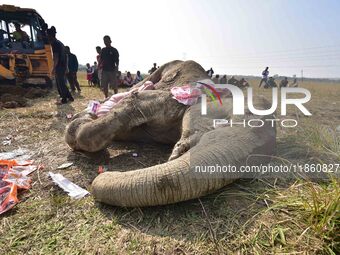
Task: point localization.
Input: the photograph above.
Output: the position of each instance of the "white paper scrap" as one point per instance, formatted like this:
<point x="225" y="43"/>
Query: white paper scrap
<point x="72" y="189"/>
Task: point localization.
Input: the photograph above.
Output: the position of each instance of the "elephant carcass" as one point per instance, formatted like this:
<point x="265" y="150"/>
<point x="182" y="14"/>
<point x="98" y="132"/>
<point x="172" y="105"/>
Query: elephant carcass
<point x="156" y="116"/>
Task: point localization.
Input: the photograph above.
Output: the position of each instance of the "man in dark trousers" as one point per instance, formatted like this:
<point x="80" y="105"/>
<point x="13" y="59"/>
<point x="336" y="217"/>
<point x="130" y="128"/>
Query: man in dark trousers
<point x="72" y="70"/>
<point x="109" y="58"/>
<point x="59" y="66"/>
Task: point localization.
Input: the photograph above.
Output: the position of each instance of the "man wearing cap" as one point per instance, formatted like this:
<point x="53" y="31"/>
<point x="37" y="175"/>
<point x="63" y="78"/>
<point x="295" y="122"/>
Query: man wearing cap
<point x="59" y="66"/>
<point x="109" y="58"/>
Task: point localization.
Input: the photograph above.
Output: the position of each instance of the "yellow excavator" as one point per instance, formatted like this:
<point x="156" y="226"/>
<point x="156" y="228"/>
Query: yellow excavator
<point x="25" y="53"/>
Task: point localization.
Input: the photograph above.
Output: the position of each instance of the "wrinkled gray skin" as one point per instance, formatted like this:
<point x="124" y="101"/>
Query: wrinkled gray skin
<point x="155" y="116"/>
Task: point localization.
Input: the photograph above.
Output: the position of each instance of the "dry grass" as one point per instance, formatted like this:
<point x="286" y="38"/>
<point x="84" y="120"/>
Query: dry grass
<point x="267" y="216"/>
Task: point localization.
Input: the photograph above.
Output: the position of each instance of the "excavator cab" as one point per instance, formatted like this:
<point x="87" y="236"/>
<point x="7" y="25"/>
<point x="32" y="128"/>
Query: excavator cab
<point x="25" y="53"/>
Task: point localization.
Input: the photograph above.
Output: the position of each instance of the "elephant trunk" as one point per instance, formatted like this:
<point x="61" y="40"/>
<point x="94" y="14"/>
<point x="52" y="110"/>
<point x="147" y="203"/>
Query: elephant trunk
<point x="176" y="180"/>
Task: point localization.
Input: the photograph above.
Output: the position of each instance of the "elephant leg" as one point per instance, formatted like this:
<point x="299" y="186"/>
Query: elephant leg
<point x="187" y="138"/>
<point x="195" y="125"/>
<point x="180" y="148"/>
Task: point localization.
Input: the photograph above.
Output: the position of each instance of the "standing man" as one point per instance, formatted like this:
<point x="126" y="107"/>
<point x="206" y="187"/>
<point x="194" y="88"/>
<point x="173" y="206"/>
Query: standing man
<point x="59" y="66"/>
<point x="100" y="67"/>
<point x="95" y="77"/>
<point x="109" y="58"/>
<point x="210" y="72"/>
<point x="264" y="79"/>
<point x="72" y="70"/>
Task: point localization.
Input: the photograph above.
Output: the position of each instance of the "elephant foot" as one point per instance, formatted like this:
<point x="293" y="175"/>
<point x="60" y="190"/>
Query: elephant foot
<point x="180" y="148"/>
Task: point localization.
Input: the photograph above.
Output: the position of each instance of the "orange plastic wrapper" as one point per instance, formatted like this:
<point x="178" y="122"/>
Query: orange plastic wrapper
<point x="8" y="197"/>
<point x="18" y="179"/>
<point x="11" y="180"/>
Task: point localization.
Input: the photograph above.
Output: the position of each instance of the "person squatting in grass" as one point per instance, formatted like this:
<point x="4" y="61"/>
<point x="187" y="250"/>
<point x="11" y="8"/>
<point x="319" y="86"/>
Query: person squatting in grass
<point x="223" y="80"/>
<point x="120" y="79"/>
<point x="233" y="81"/>
<point x="128" y="80"/>
<point x="109" y="58"/>
<point x="59" y="65"/>
<point x="72" y="70"/>
<point x="138" y="78"/>
<point x="284" y="83"/>
<point x="295" y="83"/>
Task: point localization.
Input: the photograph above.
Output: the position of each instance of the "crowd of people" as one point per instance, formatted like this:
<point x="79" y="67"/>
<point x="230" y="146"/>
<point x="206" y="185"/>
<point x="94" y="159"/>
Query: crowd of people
<point x="242" y="83"/>
<point x="269" y="82"/>
<point x="123" y="80"/>
<point x="105" y="71"/>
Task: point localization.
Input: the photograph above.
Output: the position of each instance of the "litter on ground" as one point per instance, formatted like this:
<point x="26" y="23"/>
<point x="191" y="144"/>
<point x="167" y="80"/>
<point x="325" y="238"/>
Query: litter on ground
<point x="72" y="189"/>
<point x="7" y="141"/>
<point x="13" y="177"/>
<point x="18" y="154"/>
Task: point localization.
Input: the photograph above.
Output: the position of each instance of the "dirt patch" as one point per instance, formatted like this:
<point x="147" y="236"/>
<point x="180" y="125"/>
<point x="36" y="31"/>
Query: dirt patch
<point x="12" y="101"/>
<point x="16" y="96"/>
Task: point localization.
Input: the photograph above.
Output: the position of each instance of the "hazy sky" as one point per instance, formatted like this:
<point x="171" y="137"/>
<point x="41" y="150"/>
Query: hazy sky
<point x="232" y="36"/>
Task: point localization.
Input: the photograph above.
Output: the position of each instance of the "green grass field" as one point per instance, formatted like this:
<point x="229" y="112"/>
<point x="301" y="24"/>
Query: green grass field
<point x="267" y="216"/>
